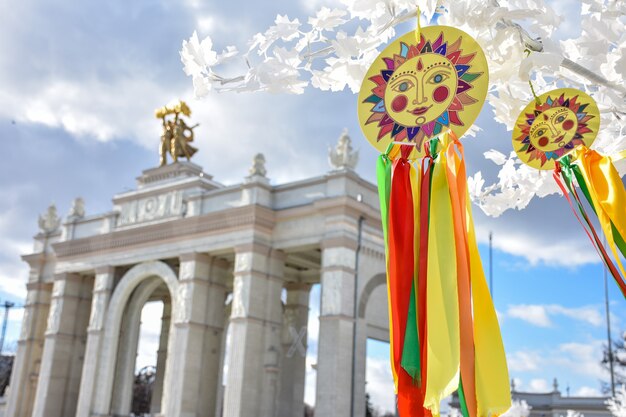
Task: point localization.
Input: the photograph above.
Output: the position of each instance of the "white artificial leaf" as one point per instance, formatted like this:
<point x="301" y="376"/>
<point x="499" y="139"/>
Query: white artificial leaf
<point x="497" y="157"/>
<point x="539" y="60"/>
<point x="327" y="19"/>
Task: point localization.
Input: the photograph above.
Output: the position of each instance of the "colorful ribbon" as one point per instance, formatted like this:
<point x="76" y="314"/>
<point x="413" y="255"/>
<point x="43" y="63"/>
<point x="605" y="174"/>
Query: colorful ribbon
<point x="444" y="333"/>
<point x="603" y="189"/>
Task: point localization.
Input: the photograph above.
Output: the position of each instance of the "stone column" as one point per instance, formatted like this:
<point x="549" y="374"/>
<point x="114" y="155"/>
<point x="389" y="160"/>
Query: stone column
<point x="29" y="349"/>
<point x="130" y="328"/>
<point x="212" y="362"/>
<point x="157" y="390"/>
<point x="334" y="357"/>
<point x="294" y="339"/>
<point x="252" y="385"/>
<point x="103" y="286"/>
<point x="191" y="378"/>
<point x="59" y="378"/>
<point x="360" y="368"/>
<point x="219" y="409"/>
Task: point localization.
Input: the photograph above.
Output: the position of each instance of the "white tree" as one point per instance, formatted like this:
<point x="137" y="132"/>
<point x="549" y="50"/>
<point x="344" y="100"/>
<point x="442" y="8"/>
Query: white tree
<point x="334" y="48"/>
<point x="518" y="409"/>
<point x="617" y="404"/>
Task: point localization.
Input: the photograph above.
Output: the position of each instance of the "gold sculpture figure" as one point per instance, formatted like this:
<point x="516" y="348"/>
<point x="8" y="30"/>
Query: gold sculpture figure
<point x="176" y="134"/>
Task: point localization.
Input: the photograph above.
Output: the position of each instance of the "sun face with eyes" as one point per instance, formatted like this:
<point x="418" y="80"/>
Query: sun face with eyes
<point x="553" y="129"/>
<point x="421" y="89"/>
<point x="562" y="120"/>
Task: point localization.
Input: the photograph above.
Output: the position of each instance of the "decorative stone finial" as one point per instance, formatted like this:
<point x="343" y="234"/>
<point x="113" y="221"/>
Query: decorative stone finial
<point x="555" y="385"/>
<point x="78" y="209"/>
<point x="49" y="222"/>
<point x="512" y="384"/>
<point x="258" y="166"/>
<point x="343" y="156"/>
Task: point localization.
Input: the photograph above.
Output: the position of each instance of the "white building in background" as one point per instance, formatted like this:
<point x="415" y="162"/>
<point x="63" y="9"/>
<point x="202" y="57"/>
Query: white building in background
<point x="553" y="404"/>
<point x="550" y="404"/>
<point x="185" y="240"/>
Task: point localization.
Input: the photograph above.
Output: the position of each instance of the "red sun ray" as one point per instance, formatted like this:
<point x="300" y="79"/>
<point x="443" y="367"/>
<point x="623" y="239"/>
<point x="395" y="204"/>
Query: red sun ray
<point x="463" y="60"/>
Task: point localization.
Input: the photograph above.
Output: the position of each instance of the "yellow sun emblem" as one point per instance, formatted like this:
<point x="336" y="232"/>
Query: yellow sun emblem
<point x="545" y="131"/>
<point x="418" y="88"/>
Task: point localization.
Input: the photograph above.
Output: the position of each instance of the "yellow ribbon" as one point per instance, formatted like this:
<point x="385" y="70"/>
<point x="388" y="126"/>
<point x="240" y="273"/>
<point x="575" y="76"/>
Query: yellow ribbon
<point x="607" y="193"/>
<point x="443" y="342"/>
<point x="418" y="30"/>
<point x="493" y="395"/>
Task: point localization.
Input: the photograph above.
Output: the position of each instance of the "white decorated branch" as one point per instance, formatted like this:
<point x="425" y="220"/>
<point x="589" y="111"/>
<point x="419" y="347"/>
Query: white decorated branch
<point x="333" y="49"/>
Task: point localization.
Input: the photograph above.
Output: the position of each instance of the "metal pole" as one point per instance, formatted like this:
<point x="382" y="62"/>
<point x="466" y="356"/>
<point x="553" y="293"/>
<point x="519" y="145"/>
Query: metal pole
<point x="491" y="263"/>
<point x="354" y="312"/>
<point x="608" y="331"/>
<point x="7" y="306"/>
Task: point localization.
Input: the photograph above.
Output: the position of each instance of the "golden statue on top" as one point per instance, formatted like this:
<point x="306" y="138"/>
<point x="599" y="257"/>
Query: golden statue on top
<point x="176" y="134"/>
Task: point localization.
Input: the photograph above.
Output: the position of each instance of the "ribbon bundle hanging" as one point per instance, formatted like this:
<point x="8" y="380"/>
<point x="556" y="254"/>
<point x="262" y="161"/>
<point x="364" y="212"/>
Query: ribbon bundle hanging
<point x="419" y="95"/>
<point x="554" y="132"/>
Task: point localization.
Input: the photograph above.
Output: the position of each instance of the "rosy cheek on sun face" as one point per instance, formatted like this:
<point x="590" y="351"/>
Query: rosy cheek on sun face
<point x="399" y="103"/>
<point x="441" y="93"/>
<point x="568" y="124"/>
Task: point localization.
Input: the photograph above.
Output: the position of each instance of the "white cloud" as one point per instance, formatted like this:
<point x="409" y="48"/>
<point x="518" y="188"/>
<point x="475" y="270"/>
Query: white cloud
<point x="590" y="315"/>
<point x="313" y="5"/>
<point x="534" y="314"/>
<point x="531" y="234"/>
<point x="588" y="392"/>
<point x="538" y="385"/>
<point x="380" y="383"/>
<point x="560" y="360"/>
<point x="583" y="358"/>
<point x="540" y="315"/>
<point x="523" y="361"/>
<point x="94" y="109"/>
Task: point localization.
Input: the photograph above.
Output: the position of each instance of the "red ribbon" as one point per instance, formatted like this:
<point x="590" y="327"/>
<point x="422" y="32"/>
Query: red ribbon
<point x="400" y="253"/>
<point x="595" y="240"/>
<point x="410" y="397"/>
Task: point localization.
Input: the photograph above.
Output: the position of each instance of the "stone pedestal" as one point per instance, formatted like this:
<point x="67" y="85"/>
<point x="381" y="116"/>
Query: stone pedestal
<point x="59" y="378"/>
<point x="294" y="339"/>
<point x="334" y="357"/>
<point x="252" y="385"/>
<point x="191" y="383"/>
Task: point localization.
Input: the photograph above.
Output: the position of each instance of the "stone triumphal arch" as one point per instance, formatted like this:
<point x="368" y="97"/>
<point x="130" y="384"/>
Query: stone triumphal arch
<point x="216" y="256"/>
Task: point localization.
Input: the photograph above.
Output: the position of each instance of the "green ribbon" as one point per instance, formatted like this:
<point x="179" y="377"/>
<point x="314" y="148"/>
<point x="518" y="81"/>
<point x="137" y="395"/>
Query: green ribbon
<point x="383" y="177"/>
<point x="462" y="400"/>
<point x="570" y="171"/>
<point x="411" y="349"/>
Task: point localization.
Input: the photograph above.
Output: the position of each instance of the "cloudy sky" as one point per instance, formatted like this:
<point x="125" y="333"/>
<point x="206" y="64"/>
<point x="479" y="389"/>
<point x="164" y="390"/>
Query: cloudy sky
<point x="80" y="82"/>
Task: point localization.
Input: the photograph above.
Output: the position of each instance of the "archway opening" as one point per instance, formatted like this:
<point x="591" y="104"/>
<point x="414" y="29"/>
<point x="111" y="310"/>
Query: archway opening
<point x="142" y="350"/>
<point x="313" y="331"/>
<point x="380" y="398"/>
<point x="147" y="357"/>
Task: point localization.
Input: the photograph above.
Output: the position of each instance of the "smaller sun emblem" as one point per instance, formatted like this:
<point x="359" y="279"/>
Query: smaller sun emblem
<point x="562" y="120"/>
